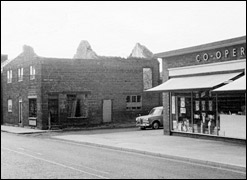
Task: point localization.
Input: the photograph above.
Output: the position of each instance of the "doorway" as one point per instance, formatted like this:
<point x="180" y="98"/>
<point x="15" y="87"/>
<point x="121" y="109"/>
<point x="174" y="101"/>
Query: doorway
<point x="53" y="111"/>
<point x="20" y="116"/>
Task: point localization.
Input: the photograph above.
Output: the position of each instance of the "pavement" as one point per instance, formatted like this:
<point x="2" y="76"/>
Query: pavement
<point x="20" y="130"/>
<point x="220" y="154"/>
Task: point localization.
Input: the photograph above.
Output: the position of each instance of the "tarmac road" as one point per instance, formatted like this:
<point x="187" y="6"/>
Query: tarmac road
<point x="27" y="156"/>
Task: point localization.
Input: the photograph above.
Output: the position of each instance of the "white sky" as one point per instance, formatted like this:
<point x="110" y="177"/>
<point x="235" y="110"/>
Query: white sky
<point x="55" y="29"/>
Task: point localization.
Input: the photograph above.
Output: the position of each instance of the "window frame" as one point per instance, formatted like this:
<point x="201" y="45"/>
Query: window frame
<point x="20" y="74"/>
<point x="10" y="105"/>
<point x="29" y="105"/>
<point x="77" y="105"/>
<point x="133" y="102"/>
<point x="9" y="76"/>
<point x="32" y="72"/>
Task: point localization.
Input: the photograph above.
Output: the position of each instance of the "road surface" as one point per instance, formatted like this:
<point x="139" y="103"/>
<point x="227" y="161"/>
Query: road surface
<point x="28" y="156"/>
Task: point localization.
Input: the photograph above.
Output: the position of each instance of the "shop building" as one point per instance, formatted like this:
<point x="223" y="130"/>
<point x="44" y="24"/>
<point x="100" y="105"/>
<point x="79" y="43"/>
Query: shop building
<point x="57" y="92"/>
<point x="204" y="90"/>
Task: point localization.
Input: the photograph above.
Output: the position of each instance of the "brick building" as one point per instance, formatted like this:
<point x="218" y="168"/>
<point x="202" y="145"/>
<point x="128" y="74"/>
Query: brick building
<point x="48" y="92"/>
<point x="4" y="58"/>
<point x="204" y="90"/>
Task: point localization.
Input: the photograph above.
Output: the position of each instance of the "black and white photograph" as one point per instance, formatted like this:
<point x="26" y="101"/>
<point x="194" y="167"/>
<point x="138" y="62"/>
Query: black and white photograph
<point x="123" y="89"/>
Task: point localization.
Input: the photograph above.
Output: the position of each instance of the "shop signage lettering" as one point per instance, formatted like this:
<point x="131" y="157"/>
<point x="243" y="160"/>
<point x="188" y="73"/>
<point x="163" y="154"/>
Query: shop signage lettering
<point x="225" y="54"/>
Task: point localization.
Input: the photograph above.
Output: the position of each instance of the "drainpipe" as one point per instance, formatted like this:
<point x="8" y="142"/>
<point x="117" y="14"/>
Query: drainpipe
<point x="49" y="121"/>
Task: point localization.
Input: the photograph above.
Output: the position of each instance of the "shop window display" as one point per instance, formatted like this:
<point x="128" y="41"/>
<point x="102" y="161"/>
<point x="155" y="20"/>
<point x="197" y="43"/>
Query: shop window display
<point x="204" y="111"/>
<point x="194" y="112"/>
<point x="181" y="112"/>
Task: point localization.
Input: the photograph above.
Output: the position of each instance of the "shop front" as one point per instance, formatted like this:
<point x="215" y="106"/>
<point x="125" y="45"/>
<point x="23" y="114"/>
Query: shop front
<point x="196" y="107"/>
<point x="206" y="99"/>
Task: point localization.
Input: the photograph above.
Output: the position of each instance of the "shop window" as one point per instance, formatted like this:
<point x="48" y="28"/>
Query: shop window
<point x="181" y="112"/>
<point x="133" y="102"/>
<point x="20" y="74"/>
<point x="204" y="113"/>
<point x="33" y="107"/>
<point x="232" y="104"/>
<point x="194" y="112"/>
<point x="9" y="76"/>
<point x="147" y="78"/>
<point x="77" y="105"/>
<point x="232" y="115"/>
<point x="32" y="72"/>
<point x="9" y="105"/>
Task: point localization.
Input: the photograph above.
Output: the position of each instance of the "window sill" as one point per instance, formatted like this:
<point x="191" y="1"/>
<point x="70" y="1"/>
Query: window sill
<point x="32" y="118"/>
<point x="77" y="117"/>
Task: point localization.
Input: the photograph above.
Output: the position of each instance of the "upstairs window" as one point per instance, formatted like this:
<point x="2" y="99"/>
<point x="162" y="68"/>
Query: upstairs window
<point x="20" y="74"/>
<point x="9" y="76"/>
<point x="32" y="72"/>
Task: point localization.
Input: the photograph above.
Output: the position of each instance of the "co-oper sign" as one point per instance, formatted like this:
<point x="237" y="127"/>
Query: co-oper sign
<point x="221" y="54"/>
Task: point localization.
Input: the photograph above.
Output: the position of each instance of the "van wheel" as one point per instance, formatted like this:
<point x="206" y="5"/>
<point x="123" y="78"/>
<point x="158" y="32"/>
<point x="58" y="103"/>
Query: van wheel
<point x="156" y="125"/>
<point x="142" y="128"/>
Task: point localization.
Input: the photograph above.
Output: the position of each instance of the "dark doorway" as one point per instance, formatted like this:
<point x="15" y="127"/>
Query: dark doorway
<point x="53" y="111"/>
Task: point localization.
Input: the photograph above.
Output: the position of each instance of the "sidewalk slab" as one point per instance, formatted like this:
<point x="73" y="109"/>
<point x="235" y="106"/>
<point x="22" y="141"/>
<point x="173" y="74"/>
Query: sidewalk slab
<point x="21" y="130"/>
<point x="30" y="130"/>
<point x="207" y="152"/>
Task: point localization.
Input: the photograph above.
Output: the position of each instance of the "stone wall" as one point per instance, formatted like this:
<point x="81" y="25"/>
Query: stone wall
<point x="101" y="79"/>
<point x="105" y="78"/>
<point x="21" y="90"/>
